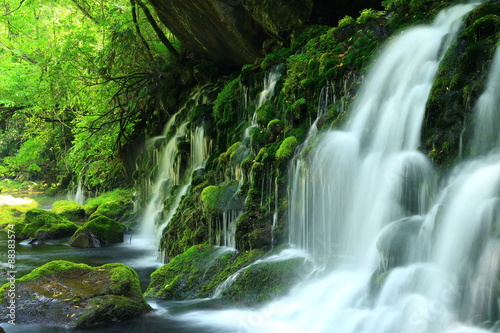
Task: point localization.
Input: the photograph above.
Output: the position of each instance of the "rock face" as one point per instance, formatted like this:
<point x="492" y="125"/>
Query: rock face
<point x="221" y="30"/>
<point x="41" y="224"/>
<point x="234" y="32"/>
<point x="98" y="232"/>
<point x="62" y="293"/>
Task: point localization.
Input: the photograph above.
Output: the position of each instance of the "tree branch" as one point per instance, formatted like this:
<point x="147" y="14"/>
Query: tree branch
<point x="158" y="31"/>
<point x="8" y="13"/>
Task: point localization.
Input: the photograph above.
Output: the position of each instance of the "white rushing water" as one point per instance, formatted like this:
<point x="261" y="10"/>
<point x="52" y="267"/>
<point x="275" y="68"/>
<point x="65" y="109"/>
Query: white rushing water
<point x="172" y="179"/>
<point x="361" y="203"/>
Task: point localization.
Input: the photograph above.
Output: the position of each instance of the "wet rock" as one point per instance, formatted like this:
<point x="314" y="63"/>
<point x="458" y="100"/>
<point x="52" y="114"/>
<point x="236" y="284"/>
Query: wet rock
<point x="62" y="293"/>
<point x="401" y="242"/>
<point x="98" y="232"/>
<point x="41" y="224"/>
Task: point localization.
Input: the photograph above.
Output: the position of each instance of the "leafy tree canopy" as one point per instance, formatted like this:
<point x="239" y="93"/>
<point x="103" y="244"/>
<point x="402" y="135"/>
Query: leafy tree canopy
<point x="78" y="79"/>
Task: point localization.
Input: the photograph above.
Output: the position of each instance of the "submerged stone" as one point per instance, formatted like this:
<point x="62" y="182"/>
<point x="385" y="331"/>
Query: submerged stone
<point x="62" y="293"/>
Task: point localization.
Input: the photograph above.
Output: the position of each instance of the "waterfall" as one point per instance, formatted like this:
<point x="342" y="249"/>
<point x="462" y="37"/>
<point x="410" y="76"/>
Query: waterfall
<point x="399" y="254"/>
<point x="79" y="195"/>
<point x="487" y="113"/>
<point x="168" y="175"/>
<point x="172" y="179"/>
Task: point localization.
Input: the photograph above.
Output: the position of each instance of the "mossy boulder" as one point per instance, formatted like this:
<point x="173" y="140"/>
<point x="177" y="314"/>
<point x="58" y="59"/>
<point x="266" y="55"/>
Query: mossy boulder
<point x="62" y="293"/>
<point x="98" y="232"/>
<point x="286" y="149"/>
<point x="197" y="272"/>
<point x="42" y="224"/>
<point x="266" y="279"/>
<point x="119" y="196"/>
<point x="113" y="210"/>
<point x="70" y="210"/>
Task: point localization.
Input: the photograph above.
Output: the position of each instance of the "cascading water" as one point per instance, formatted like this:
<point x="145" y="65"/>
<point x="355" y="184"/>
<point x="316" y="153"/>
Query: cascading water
<point x="168" y="175"/>
<point x="361" y="204"/>
<point x="226" y="228"/>
<point x="77" y="194"/>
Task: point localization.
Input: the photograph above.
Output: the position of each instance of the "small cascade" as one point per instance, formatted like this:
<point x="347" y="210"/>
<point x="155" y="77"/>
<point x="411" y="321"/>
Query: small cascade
<point x="77" y="194"/>
<point x="487" y="113"/>
<point x="168" y="175"/>
<point x="226" y="226"/>
<point x="266" y="94"/>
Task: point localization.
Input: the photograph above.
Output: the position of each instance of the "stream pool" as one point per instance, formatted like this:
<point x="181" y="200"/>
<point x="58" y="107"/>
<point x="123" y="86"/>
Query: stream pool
<point x="134" y="253"/>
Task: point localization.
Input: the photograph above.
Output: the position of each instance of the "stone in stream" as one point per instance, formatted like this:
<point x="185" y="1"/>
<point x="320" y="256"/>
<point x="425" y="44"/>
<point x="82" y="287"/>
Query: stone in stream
<point x="98" y="232"/>
<point x="41" y="224"/>
<point x="62" y="293"/>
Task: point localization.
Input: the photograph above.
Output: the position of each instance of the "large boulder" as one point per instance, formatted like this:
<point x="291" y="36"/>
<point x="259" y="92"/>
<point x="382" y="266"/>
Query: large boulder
<point x="197" y="272"/>
<point x="42" y="224"/>
<point x="70" y="210"/>
<point x="266" y="279"/>
<point x="98" y="232"/>
<point x="62" y="293"/>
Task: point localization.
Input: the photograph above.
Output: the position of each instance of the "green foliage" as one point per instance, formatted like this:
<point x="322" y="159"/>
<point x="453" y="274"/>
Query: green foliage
<point x="76" y="86"/>
<point x="346" y="20"/>
<point x="366" y="15"/>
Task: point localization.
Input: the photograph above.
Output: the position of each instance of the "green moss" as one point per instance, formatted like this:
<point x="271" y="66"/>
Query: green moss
<point x="100" y="229"/>
<point x="70" y="210"/>
<point x="112" y="210"/>
<point x="261" y="282"/>
<point x="80" y="295"/>
<point x="197" y="272"/>
<point x="210" y="197"/>
<point x="286" y="148"/>
<point x="265" y="113"/>
<point x="121" y="196"/>
<point x="15" y="213"/>
<point x="43" y="224"/>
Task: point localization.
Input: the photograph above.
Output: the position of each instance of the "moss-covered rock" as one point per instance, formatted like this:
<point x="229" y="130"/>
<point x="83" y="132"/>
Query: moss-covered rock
<point x="120" y="197"/>
<point x="461" y="78"/>
<point x="286" y="148"/>
<point x="70" y="210"/>
<point x="265" y="280"/>
<point x="62" y="293"/>
<point x="42" y="224"/>
<point x="97" y="232"/>
<point x="197" y="272"/>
